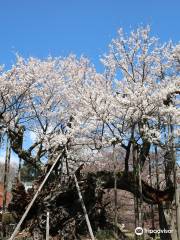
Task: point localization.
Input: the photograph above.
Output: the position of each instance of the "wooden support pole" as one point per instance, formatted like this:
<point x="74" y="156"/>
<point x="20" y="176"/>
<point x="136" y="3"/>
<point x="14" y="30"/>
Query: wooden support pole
<point x="115" y="189"/>
<point x="84" y="209"/>
<point x="47" y="226"/>
<point x="34" y="198"/>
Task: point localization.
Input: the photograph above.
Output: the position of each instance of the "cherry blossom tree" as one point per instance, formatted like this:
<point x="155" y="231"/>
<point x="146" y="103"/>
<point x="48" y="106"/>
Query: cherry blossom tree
<point x="66" y="105"/>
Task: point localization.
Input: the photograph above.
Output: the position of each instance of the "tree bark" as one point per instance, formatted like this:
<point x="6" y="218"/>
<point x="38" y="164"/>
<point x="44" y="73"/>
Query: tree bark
<point x="66" y="215"/>
<point x="5" y="182"/>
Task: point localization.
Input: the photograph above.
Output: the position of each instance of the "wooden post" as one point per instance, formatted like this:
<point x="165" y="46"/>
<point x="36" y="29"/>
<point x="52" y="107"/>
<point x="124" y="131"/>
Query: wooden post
<point x="84" y="209"/>
<point x="115" y="193"/>
<point x="34" y="198"/>
<point x="47" y="226"/>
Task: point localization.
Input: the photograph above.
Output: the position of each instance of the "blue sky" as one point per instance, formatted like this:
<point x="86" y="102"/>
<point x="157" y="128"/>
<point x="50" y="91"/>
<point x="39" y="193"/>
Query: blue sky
<point x="59" y="27"/>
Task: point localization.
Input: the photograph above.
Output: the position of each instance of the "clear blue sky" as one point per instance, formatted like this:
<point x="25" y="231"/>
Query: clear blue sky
<point x="58" y="27"/>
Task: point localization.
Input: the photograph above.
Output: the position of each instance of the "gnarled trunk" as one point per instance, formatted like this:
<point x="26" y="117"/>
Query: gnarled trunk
<point x="62" y="202"/>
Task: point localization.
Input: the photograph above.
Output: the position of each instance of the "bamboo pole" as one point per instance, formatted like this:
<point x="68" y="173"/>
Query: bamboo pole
<point x="34" y="198"/>
<point x="84" y="209"/>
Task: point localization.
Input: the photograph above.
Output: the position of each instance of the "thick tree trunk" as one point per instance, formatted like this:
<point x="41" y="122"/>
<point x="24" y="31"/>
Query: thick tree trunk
<point x="66" y="215"/>
<point x="177" y="196"/>
<point x="172" y="215"/>
<point x="176" y="184"/>
<point x="162" y="219"/>
<point x="163" y="223"/>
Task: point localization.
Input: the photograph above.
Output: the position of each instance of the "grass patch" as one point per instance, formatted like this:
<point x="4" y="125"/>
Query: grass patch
<point x="104" y="234"/>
